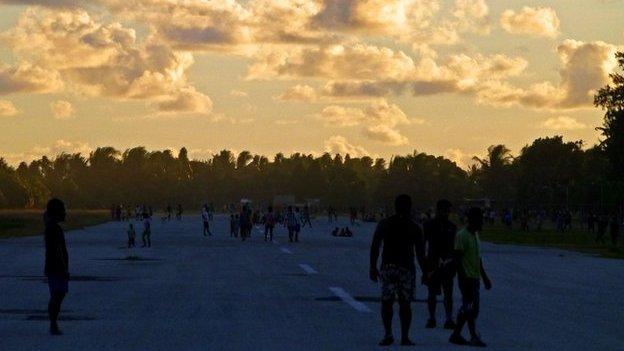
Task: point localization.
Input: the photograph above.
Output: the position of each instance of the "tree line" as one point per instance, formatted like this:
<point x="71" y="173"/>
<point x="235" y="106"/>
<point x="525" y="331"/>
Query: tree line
<point x="549" y="172"/>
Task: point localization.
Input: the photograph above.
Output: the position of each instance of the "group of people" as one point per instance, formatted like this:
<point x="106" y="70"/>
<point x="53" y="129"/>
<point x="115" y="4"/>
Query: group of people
<point x="294" y="219"/>
<point x="443" y="253"/>
<point x="342" y="232"/>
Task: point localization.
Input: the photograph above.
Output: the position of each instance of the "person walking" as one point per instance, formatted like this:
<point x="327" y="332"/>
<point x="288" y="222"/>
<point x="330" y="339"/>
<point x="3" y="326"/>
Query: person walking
<point x="440" y="241"/>
<point x="206" y="220"/>
<point x="269" y="224"/>
<point x="470" y="272"/>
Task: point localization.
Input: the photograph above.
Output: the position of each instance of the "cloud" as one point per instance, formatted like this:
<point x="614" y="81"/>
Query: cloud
<point x="353" y="61"/>
<point x="57" y="147"/>
<point x="460" y="157"/>
<point x="187" y="100"/>
<point x="7" y="109"/>
<point x="586" y="68"/>
<point x="338" y="144"/>
<point x="99" y="59"/>
<point x="342" y="116"/>
<point x="238" y="93"/>
<point x="62" y="109"/>
<point x="472" y="15"/>
<point x="379" y="17"/>
<point x="200" y="154"/>
<point x="385" y="134"/>
<point x="47" y="3"/>
<point x="379" y="120"/>
<point x="562" y="123"/>
<point x="540" y="21"/>
<point x="358" y="70"/>
<point x="25" y="77"/>
<point x="299" y="92"/>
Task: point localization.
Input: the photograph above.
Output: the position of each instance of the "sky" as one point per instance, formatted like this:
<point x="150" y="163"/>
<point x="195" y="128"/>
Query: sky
<point x="364" y="77"/>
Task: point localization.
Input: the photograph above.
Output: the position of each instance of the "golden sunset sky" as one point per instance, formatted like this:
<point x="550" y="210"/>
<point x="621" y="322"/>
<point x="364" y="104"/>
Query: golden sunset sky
<point x="376" y="77"/>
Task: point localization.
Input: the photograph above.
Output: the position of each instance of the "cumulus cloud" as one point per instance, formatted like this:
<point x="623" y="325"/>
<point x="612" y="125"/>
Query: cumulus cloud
<point x="342" y="61"/>
<point x="460" y="157"/>
<point x="338" y="144"/>
<point x="299" y="92"/>
<point x="385" y="134"/>
<point x="98" y="58"/>
<point x="586" y="68"/>
<point x="363" y="70"/>
<point x="7" y="109"/>
<point x="342" y="116"/>
<point x="187" y="100"/>
<point x="562" y="123"/>
<point x="62" y="109"/>
<point x="56" y="148"/>
<point x="472" y="15"/>
<point x="379" y="120"/>
<point x="48" y="3"/>
<point x="540" y="21"/>
<point x="376" y="16"/>
<point x="25" y="77"/>
<point x="238" y="93"/>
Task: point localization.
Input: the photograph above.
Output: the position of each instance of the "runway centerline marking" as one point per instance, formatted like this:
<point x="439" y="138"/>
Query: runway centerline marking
<point x="285" y="250"/>
<point x="344" y="296"/>
<point x="307" y="268"/>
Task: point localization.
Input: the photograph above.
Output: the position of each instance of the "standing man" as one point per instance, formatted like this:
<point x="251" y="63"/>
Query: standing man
<point x="440" y="242"/>
<point x="56" y="260"/>
<point x="205" y="219"/>
<point x="147" y="231"/>
<point x="470" y="271"/>
<point x="401" y="239"/>
<point x="269" y="224"/>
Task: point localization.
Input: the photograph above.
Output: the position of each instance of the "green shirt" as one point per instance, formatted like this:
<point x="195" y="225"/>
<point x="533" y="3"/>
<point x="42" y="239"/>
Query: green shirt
<point x="470" y="247"/>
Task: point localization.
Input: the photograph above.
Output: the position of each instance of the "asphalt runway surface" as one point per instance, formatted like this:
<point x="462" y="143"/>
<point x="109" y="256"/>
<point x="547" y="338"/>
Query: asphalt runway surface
<point x="190" y="292"/>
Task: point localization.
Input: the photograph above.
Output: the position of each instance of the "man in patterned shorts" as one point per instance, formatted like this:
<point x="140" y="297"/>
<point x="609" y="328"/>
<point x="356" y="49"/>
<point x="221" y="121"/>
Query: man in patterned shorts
<point x="401" y="238"/>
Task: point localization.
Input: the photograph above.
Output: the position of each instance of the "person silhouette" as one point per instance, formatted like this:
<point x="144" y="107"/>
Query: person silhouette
<point x="56" y="260"/>
<point x="470" y="271"/>
<point x="440" y="241"/>
<point x="401" y="238"/>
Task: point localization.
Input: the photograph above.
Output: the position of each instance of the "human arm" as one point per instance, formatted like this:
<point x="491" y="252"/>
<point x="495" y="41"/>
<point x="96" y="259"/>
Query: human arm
<point x="374" y="253"/>
<point x="419" y="247"/>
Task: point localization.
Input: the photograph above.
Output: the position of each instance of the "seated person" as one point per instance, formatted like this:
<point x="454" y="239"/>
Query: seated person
<point x="335" y="232"/>
<point x="348" y="232"/>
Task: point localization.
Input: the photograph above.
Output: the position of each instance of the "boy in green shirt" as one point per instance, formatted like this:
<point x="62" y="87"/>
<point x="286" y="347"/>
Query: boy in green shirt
<point x="470" y="271"/>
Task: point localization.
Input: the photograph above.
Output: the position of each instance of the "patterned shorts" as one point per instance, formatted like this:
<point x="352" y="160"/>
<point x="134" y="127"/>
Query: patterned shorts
<point x="397" y="282"/>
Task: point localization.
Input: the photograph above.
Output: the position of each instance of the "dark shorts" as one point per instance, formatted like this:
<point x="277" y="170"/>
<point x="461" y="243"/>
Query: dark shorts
<point x="439" y="283"/>
<point x="469" y="288"/>
<point x="57" y="284"/>
<point x="294" y="228"/>
<point x="206" y="224"/>
<point x="397" y="282"/>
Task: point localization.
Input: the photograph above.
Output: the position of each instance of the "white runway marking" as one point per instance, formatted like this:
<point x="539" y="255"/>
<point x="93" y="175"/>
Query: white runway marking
<point x="307" y="268"/>
<point x="357" y="305"/>
<point x="285" y="250"/>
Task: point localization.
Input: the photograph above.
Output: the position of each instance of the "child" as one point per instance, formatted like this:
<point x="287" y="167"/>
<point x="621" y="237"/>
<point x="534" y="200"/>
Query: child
<point x="131" y="236"/>
<point x="470" y="272"/>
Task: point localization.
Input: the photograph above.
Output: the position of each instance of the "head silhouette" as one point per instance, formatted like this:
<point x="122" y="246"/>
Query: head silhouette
<point x="403" y="205"/>
<point x="475" y="219"/>
<point x="55" y="210"/>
